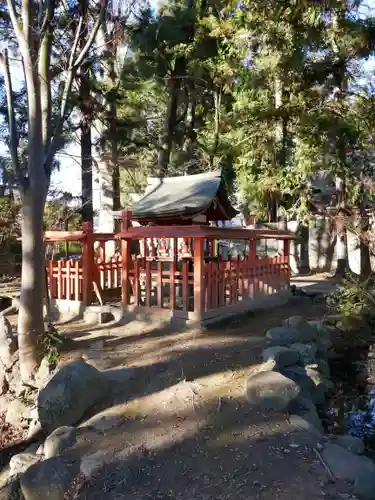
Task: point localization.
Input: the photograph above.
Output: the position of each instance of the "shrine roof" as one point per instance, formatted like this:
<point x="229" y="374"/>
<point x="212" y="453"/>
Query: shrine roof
<point x="183" y="196"/>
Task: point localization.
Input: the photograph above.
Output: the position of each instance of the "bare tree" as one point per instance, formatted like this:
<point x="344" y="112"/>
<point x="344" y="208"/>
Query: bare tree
<point x="34" y="25"/>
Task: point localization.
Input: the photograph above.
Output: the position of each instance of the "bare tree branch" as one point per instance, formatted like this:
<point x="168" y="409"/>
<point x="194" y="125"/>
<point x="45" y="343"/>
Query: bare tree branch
<point x="13" y="137"/>
<point x="44" y="75"/>
<point x="73" y="66"/>
<point x="15" y="22"/>
<point x="26" y="22"/>
<point x="93" y="34"/>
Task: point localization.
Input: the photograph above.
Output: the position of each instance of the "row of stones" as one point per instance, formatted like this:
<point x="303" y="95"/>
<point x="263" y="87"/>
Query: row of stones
<point x="295" y="377"/>
<point x="60" y="404"/>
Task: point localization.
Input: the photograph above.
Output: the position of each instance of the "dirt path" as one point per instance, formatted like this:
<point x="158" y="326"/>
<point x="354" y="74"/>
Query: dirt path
<point x="180" y="428"/>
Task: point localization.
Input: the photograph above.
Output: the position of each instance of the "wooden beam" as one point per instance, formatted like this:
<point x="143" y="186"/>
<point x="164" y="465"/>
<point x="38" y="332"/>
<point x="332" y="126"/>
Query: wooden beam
<point x="198" y="277"/>
<point x="205" y="232"/>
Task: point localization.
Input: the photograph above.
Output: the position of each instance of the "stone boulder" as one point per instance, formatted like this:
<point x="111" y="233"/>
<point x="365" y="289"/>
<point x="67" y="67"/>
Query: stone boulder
<point x="91" y="464"/>
<point x="282" y="336"/>
<point x="323" y="341"/>
<point x="312" y="384"/>
<point x="11" y="490"/>
<point x="69" y="393"/>
<point x="306" y="352"/>
<point x="18" y="413"/>
<point x="49" y="479"/>
<point x="299" y="375"/>
<point x="8" y="343"/>
<point x="21" y="462"/>
<point x="293" y="321"/>
<point x="304" y="416"/>
<point x="59" y="441"/>
<point x="267" y="366"/>
<point x="350" y="443"/>
<point x="346" y="465"/>
<point x="364" y="486"/>
<point x="271" y="391"/>
<point x="288" y="335"/>
<point x="283" y="356"/>
<point x="308" y="422"/>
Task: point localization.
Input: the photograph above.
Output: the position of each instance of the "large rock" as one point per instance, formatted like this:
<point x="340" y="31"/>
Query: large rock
<point x="323" y="341"/>
<point x="294" y="321"/>
<point x="346" y="465"/>
<point x="364" y="485"/>
<point x="21" y="462"/>
<point x="299" y="375"/>
<point x="60" y="441"/>
<point x="350" y="443"/>
<point x="281" y="355"/>
<point x="304" y="423"/>
<point x="103" y="423"/>
<point x="8" y="343"/>
<point x="12" y="490"/>
<point x="49" y="479"/>
<point x="312" y="384"/>
<point x="271" y="391"/>
<point x="306" y="352"/>
<point x="91" y="464"/>
<point x="282" y="336"/>
<point x="267" y="366"/>
<point x="18" y="413"/>
<point x="288" y="335"/>
<point x="305" y="416"/>
<point x="69" y="393"/>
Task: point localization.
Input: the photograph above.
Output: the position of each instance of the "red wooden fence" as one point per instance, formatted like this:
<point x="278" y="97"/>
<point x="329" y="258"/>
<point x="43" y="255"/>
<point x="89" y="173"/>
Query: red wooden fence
<point x="187" y="278"/>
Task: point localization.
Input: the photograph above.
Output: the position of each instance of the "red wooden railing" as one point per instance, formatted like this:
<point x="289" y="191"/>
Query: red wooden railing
<point x="187" y="276"/>
<point x="228" y="282"/>
<point x="65" y="279"/>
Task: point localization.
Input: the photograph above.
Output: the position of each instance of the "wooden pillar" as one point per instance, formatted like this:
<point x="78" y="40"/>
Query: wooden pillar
<point x="125" y="260"/>
<point x="87" y="263"/>
<point x="252" y="250"/>
<point x="286" y="254"/>
<point x="126" y="220"/>
<point x="198" y="277"/>
<point x="286" y="248"/>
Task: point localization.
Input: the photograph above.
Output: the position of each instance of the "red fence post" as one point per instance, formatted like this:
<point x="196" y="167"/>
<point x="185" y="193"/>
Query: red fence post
<point x="125" y="259"/>
<point x="252" y="250"/>
<point x="286" y="248"/>
<point x="87" y="263"/>
<point x="198" y="277"/>
<point x="286" y="256"/>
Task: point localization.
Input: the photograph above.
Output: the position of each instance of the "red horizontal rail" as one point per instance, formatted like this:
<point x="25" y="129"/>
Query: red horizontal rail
<point x="200" y="231"/>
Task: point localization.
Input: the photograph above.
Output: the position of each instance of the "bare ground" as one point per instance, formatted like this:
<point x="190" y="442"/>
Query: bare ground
<point x="180" y="428"/>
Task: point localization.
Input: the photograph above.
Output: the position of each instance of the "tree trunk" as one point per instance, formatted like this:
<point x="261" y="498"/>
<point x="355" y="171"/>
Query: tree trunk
<point x="280" y="157"/>
<point x="30" y="317"/>
<point x="166" y="140"/>
<point x="108" y="166"/>
<point x="174" y="87"/>
<point x="86" y="174"/>
<point x="217" y="101"/>
<point x="86" y="142"/>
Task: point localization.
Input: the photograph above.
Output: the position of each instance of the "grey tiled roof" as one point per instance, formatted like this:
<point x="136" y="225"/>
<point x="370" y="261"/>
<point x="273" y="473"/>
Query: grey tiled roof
<point x="178" y="196"/>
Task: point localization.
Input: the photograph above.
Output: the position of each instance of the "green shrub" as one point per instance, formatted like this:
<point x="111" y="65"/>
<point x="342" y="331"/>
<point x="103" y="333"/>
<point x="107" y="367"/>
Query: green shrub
<point x="354" y="299"/>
